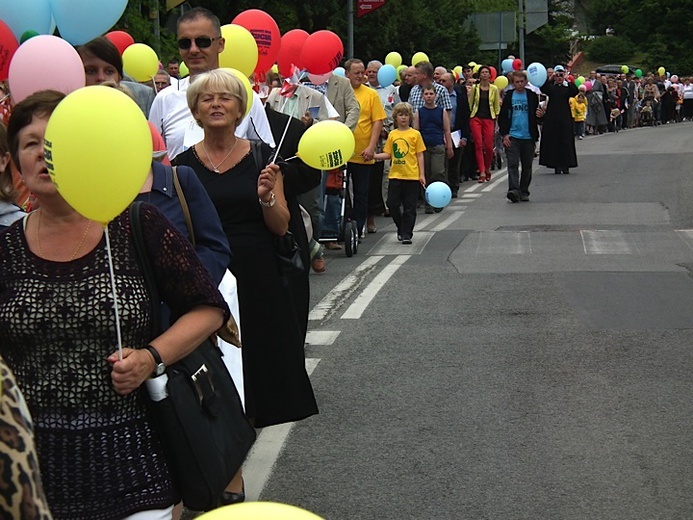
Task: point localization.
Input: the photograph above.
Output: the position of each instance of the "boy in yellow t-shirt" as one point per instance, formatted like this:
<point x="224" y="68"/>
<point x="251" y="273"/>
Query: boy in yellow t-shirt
<point x="578" y="107"/>
<point x="405" y="147"/>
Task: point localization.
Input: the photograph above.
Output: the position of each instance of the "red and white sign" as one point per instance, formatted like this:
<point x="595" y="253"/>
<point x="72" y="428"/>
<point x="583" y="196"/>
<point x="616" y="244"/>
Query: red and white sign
<point x="365" y="7"/>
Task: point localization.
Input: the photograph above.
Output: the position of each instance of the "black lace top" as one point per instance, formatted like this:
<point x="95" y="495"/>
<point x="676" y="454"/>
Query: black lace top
<point x="98" y="454"/>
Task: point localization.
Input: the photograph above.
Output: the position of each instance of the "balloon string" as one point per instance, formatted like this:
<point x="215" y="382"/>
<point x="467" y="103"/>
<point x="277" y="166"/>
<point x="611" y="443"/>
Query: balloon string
<point x="281" y="141"/>
<point x="115" y="295"/>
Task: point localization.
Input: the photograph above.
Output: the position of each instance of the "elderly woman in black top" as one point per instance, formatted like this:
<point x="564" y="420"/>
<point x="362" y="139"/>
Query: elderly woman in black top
<point x="98" y="453"/>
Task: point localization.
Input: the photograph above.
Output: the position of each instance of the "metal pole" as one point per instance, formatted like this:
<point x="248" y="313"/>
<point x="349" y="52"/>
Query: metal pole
<point x="521" y="28"/>
<point x="500" y="39"/>
<point x="350" y="29"/>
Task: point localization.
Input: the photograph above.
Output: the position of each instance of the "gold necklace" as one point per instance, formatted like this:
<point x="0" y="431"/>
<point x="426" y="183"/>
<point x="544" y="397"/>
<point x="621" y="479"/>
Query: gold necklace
<point x="38" y="241"/>
<point x="216" y="168"/>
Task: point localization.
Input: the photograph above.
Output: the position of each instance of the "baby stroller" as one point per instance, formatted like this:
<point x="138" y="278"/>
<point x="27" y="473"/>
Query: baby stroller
<point x="646" y="117"/>
<point x="497" y="162"/>
<point x="337" y="184"/>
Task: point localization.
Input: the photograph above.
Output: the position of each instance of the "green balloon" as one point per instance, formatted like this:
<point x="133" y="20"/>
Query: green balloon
<point x="638" y="73"/>
<point x="27" y="36"/>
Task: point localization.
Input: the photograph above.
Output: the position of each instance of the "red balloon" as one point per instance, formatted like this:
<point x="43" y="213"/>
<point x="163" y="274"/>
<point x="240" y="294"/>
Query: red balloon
<point x="322" y="52"/>
<point x="290" y="51"/>
<point x="8" y="46"/>
<point x="120" y="39"/>
<point x="266" y="33"/>
<point x="571" y="79"/>
<point x="517" y="64"/>
<point x="494" y="73"/>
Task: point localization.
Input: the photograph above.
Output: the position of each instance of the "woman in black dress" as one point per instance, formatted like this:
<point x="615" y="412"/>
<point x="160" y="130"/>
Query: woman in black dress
<point x="250" y="200"/>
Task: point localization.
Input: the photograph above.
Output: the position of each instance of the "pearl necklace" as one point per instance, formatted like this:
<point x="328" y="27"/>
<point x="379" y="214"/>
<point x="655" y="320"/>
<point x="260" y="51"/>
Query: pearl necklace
<point x="216" y="168"/>
<point x="38" y="241"/>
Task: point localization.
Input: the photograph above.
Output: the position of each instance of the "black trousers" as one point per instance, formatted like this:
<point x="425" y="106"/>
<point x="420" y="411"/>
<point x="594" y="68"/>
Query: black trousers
<point x="401" y="200"/>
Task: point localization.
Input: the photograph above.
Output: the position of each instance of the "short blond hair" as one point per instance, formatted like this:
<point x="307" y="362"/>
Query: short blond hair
<point x="217" y="81"/>
<point x="403" y="108"/>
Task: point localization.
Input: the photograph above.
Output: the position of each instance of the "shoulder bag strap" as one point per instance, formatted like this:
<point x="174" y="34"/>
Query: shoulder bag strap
<point x="183" y="205"/>
<point x="144" y="262"/>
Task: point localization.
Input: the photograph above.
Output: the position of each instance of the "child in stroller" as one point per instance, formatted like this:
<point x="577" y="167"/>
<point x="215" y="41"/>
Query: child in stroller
<point x="646" y="116"/>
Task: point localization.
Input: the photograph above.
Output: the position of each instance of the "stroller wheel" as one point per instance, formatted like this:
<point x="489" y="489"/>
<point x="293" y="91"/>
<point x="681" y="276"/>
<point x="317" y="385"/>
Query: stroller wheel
<point x="351" y="238"/>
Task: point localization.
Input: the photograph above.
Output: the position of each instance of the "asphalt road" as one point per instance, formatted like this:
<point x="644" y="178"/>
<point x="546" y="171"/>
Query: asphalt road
<point x="528" y="360"/>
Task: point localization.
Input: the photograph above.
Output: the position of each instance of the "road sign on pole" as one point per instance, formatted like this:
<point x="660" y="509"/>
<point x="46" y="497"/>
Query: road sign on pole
<point x="365" y="7"/>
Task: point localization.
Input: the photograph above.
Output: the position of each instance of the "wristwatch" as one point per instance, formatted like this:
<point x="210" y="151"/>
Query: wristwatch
<point x="160" y="366"/>
<point x="270" y="203"/>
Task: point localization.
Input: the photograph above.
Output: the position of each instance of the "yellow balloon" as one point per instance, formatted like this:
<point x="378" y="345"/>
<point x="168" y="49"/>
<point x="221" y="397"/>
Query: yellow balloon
<point x="475" y="68"/>
<point x="240" y="50"/>
<point x="400" y="71"/>
<point x="581" y="79"/>
<point x="326" y="145"/>
<point x="98" y="151"/>
<point x="458" y="70"/>
<point x="183" y="69"/>
<point x="260" y="511"/>
<point x="472" y="64"/>
<point x="624" y="69"/>
<point x="393" y="58"/>
<point x="275" y="68"/>
<point x="501" y="82"/>
<point x="246" y="84"/>
<point x="419" y="56"/>
<point x="140" y="62"/>
<point x="661" y="71"/>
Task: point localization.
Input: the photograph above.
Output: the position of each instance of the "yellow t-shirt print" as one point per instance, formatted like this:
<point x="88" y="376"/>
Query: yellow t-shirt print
<point x="403" y="147"/>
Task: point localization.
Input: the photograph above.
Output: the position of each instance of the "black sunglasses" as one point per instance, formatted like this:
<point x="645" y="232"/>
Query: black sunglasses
<point x="203" y="42"/>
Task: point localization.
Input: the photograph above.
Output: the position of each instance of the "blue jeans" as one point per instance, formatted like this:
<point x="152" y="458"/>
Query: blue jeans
<point x="579" y="128"/>
<point x="329" y="211"/>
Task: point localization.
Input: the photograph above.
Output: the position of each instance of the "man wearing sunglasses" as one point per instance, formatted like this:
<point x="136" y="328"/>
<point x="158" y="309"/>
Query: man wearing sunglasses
<point x="557" y="149"/>
<point x="199" y="44"/>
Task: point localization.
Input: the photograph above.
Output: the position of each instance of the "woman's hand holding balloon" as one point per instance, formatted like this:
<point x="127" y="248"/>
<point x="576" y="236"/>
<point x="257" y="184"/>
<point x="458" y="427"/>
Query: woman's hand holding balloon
<point x="266" y="182"/>
<point x="134" y="369"/>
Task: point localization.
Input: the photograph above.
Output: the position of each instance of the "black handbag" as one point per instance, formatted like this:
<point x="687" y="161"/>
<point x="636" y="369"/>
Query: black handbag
<point x="202" y="426"/>
<point x="288" y="255"/>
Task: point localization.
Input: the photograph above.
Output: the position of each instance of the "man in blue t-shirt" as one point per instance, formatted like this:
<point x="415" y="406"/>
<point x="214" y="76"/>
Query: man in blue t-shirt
<point x="517" y="122"/>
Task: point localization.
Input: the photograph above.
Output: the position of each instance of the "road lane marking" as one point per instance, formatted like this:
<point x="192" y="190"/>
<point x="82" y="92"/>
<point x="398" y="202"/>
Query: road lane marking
<point x="389" y="245"/>
<point x="422" y="223"/>
<point x="260" y="462"/>
<point x="356" y="309"/>
<point x="686" y="235"/>
<point x="448" y="221"/>
<point x="606" y="242"/>
<point x="321" y="337"/>
<point x="496" y="181"/>
<point x="472" y="195"/>
<point x="339" y="294"/>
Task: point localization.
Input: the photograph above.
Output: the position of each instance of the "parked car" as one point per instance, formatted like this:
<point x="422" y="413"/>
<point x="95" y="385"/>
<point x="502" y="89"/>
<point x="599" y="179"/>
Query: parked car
<point x="612" y="70"/>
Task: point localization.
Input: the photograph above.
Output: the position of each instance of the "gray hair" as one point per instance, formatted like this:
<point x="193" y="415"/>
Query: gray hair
<point x="217" y="81"/>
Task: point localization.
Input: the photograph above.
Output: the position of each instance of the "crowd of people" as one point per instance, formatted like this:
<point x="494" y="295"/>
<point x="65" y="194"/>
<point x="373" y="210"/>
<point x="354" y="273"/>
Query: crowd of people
<point x="238" y="191"/>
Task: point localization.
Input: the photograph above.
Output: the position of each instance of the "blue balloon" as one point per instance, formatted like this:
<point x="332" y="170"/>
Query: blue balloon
<point x="339" y="71"/>
<point x="438" y="194"/>
<point x="26" y="15"/>
<point x="80" y="21"/>
<point x="536" y="74"/>
<point x="387" y="74"/>
<point x="507" y="65"/>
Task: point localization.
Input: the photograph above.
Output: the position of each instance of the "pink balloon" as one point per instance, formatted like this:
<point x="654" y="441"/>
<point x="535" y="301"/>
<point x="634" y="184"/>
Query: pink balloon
<point x="588" y="86"/>
<point x="319" y="79"/>
<point x="42" y="63"/>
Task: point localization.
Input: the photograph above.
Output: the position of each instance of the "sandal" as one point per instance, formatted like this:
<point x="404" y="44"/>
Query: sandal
<point x="482" y="179"/>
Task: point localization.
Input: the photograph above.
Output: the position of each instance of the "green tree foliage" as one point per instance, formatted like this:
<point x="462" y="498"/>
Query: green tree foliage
<point x="610" y="49"/>
<point x="662" y="29"/>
